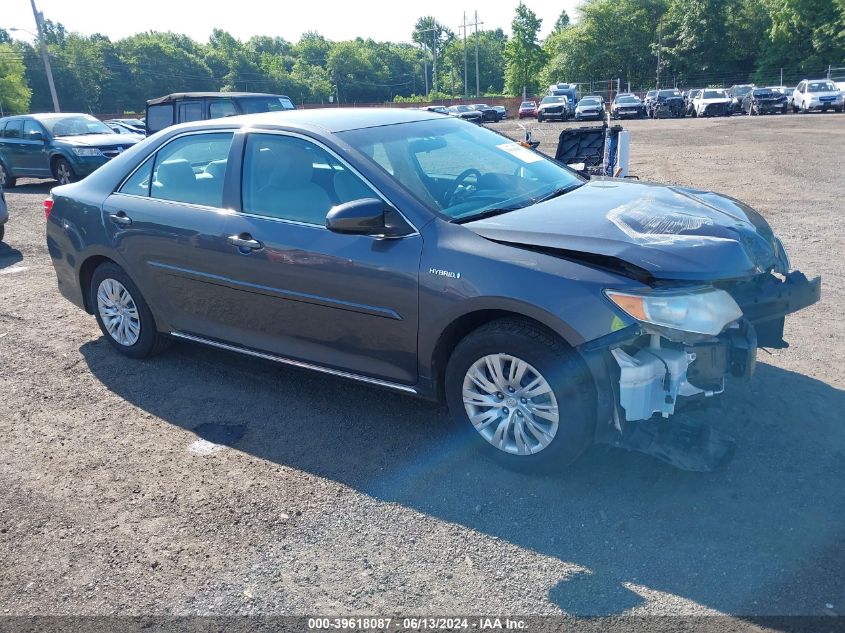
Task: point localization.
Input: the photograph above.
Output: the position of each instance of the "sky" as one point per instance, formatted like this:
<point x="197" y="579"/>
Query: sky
<point x="334" y="19"/>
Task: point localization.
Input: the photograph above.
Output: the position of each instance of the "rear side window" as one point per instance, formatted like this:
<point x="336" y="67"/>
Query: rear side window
<point x="159" y="117"/>
<point x="190" y="111"/>
<point x="138" y="184"/>
<point x="190" y="169"/>
<point x="222" y="108"/>
<point x="13" y="129"/>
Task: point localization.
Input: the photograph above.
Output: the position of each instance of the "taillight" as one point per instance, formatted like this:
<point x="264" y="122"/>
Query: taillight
<point x="48" y="207"/>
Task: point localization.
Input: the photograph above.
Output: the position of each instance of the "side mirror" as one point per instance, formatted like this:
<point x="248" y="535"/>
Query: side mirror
<point x="368" y="216"/>
<point x="35" y="136"/>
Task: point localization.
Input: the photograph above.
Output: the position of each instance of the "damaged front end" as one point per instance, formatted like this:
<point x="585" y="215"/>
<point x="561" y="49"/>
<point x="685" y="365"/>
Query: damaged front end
<point x="685" y="344"/>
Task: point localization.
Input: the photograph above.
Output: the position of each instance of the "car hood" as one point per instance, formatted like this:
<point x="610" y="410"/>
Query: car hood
<point x="98" y="140"/>
<point x="670" y="233"/>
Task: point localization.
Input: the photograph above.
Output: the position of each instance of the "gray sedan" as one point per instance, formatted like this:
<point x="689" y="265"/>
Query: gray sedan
<point x="424" y="254"/>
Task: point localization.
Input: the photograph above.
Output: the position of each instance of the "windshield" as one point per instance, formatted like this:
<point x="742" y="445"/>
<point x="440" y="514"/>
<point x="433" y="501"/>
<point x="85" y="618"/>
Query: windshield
<point x="526" y="104"/>
<point x="75" y="125"/>
<point x="252" y="105"/>
<point x="714" y="94"/>
<point x="460" y="108"/>
<point x="553" y="99"/>
<point x="762" y="92"/>
<point x="821" y="86"/>
<point x="461" y="170"/>
<point x="741" y="91"/>
<point x="651" y="93"/>
<point x="669" y="93"/>
<point x="627" y="99"/>
<point x="589" y="101"/>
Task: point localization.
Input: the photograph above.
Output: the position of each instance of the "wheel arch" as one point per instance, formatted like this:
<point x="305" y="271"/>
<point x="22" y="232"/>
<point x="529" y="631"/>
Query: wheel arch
<point x="86" y="272"/>
<point x="464" y="324"/>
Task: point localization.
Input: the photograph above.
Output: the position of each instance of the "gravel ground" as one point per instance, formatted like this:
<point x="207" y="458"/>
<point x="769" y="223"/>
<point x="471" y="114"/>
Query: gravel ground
<point x="340" y="499"/>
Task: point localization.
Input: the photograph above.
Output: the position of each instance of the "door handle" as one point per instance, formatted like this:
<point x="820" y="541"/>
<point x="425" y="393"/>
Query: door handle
<point x="245" y="240"/>
<point x="120" y="218"/>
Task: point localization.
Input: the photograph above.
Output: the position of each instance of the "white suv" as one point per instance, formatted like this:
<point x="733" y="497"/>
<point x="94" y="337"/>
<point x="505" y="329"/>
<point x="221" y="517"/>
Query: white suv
<point x="816" y="94"/>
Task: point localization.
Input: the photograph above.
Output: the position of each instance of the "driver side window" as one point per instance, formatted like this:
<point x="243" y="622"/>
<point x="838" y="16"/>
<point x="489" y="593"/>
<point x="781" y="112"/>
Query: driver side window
<point x="290" y="178"/>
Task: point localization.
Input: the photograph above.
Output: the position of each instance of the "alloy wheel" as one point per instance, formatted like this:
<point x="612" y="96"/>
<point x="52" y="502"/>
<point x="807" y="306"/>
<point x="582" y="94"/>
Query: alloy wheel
<point x="511" y="404"/>
<point x="118" y="312"/>
<point x="63" y="173"/>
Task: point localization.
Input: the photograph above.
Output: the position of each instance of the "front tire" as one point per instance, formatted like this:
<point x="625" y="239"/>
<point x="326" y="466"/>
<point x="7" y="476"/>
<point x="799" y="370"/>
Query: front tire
<point x="2" y="231"/>
<point x="63" y="172"/>
<point x="122" y="313"/>
<point x="522" y="395"/>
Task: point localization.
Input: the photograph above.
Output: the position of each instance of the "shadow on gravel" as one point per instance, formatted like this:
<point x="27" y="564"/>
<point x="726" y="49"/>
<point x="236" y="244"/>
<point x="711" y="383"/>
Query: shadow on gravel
<point x="39" y="187"/>
<point x="9" y="256"/>
<point x="763" y="535"/>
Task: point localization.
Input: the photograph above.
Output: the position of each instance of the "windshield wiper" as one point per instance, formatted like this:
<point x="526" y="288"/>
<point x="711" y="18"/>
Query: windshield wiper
<point x="487" y="213"/>
<point x="557" y="192"/>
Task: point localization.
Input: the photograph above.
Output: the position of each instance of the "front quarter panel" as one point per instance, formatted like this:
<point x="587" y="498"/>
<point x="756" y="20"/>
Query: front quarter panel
<point x="462" y="273"/>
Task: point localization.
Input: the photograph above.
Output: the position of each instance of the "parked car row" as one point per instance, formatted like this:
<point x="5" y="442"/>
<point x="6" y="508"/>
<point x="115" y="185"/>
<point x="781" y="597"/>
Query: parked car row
<point x="809" y="95"/>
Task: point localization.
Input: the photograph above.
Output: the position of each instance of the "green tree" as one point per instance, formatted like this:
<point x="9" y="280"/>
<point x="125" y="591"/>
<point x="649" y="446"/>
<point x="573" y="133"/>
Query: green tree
<point x="523" y="53"/>
<point x="434" y="37"/>
<point x="614" y="39"/>
<point x="803" y="38"/>
<point x="14" y="90"/>
<point x="562" y="22"/>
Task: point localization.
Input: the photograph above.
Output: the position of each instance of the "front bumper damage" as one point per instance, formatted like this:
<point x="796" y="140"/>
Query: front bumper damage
<point x="645" y="374"/>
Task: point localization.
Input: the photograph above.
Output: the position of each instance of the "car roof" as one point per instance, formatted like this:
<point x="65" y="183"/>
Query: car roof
<point x="208" y="95"/>
<point x="330" y="120"/>
<point x="43" y="116"/>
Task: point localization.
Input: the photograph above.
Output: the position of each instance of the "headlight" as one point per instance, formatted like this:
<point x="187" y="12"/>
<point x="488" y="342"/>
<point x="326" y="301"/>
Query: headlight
<point x="87" y="151"/>
<point x="701" y="311"/>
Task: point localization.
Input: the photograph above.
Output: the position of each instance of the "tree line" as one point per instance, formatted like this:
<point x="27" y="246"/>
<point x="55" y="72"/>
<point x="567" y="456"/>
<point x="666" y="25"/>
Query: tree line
<point x="698" y="42"/>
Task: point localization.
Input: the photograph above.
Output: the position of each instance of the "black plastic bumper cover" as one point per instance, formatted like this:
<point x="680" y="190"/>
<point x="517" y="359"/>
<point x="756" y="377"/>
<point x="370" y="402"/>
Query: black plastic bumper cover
<point x="766" y="302"/>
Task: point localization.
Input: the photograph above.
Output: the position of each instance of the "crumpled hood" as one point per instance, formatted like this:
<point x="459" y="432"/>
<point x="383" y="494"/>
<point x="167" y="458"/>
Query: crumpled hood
<point x="99" y="140"/>
<point x="670" y="232"/>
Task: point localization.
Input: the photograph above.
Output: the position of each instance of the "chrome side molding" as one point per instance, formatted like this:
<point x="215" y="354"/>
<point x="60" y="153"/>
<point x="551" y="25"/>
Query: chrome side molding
<point x="294" y="363"/>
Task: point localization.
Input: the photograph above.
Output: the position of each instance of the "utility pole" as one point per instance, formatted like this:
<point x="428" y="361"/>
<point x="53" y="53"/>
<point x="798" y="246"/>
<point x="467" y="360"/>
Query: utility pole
<point x="659" y="46"/>
<point x="466" y="77"/>
<point x="781" y="77"/>
<point x="39" y="18"/>
<point x="432" y="30"/>
<point x="475" y="24"/>
<point x="434" y="68"/>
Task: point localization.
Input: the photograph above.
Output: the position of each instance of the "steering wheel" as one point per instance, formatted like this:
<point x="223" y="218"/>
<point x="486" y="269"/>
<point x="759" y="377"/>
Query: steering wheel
<point x="466" y="173"/>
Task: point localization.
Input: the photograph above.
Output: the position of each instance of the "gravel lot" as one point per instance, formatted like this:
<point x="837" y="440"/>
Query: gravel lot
<point x="339" y="498"/>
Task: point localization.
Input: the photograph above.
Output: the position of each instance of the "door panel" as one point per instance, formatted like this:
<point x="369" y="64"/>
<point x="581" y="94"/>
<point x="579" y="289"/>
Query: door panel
<point x="34" y="155"/>
<point x="301" y="291"/>
<point x="344" y="301"/>
<point x="166" y="223"/>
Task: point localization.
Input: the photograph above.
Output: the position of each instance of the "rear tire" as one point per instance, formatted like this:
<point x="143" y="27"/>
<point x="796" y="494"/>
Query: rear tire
<point x="6" y="180"/>
<point x="551" y="425"/>
<point x="114" y="296"/>
<point x="2" y="231"/>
